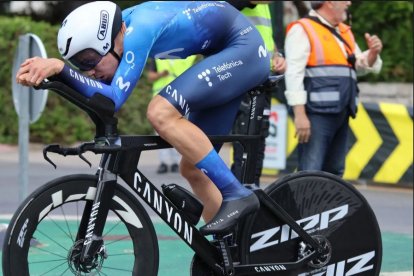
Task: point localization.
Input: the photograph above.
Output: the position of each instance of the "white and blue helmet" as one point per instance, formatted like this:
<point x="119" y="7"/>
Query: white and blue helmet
<point x="91" y="26"/>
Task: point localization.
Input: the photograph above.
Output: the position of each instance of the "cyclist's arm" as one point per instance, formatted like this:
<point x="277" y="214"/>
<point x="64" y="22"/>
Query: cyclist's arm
<point x="83" y="84"/>
<point x="36" y="69"/>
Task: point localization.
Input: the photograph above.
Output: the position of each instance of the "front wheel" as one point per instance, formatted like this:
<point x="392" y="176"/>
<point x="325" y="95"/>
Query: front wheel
<point x="41" y="238"/>
<point x="333" y="212"/>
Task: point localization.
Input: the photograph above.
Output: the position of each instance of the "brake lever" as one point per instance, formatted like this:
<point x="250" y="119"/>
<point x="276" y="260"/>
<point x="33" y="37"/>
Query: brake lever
<point x="53" y="148"/>
<point x="84" y="159"/>
<point x="81" y="150"/>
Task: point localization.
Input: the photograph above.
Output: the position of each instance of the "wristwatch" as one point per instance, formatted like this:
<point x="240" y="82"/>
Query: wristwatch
<point x="279" y="54"/>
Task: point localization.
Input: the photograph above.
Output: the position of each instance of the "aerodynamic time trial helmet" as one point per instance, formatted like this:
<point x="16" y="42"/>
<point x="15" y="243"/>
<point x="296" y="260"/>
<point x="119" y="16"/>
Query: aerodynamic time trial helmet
<point x="88" y="33"/>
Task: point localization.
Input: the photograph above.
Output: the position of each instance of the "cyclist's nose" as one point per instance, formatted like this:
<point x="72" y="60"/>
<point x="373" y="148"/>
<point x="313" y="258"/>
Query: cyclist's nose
<point x="91" y="73"/>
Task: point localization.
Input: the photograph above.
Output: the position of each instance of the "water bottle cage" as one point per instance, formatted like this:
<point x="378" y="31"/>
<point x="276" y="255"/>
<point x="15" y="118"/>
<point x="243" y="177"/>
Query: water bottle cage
<point x="184" y="201"/>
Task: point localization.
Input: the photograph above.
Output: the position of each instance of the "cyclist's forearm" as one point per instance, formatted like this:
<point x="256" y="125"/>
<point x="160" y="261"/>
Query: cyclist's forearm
<point x="83" y="84"/>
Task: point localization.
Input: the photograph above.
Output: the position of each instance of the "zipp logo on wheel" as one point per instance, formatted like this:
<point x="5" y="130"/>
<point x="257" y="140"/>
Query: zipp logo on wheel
<point x="351" y="266"/>
<point x="22" y="233"/>
<point x="310" y="224"/>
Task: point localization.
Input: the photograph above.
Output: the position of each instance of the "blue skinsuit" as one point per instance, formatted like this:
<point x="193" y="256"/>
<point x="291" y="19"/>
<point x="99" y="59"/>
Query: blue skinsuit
<point x="210" y="92"/>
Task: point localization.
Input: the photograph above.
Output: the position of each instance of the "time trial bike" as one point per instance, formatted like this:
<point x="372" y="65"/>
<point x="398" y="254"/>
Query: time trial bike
<point x="309" y="223"/>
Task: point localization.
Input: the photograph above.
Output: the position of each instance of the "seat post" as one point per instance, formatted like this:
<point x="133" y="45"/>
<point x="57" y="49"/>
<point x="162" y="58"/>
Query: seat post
<point x="259" y="111"/>
<point x="257" y="125"/>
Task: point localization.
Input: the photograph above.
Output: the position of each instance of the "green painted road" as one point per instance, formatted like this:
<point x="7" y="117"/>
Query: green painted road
<point x="175" y="256"/>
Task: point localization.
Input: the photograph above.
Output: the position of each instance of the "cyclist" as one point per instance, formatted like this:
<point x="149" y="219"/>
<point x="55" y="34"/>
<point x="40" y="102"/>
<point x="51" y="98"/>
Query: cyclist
<point x="111" y="48"/>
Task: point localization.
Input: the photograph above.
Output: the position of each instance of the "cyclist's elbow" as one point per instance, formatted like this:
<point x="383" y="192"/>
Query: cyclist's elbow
<point x="118" y="104"/>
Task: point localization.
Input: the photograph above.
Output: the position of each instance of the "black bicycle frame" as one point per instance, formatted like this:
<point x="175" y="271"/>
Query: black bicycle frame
<point x="125" y="162"/>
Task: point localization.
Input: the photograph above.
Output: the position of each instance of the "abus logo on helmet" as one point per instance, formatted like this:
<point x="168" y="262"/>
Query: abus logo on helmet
<point x="103" y="25"/>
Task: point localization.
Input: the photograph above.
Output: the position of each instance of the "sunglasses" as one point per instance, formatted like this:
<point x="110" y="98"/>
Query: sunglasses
<point x="87" y="59"/>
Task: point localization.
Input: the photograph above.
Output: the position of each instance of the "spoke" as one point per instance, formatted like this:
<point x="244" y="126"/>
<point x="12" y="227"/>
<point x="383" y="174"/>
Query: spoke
<point x="67" y="224"/>
<point x="63" y="273"/>
<point x="47" y="236"/>
<point x="118" y="240"/>
<point x="61" y="229"/>
<point x="53" y="268"/>
<point x="50" y="252"/>
<point x="112" y="228"/>
<point x="49" y="261"/>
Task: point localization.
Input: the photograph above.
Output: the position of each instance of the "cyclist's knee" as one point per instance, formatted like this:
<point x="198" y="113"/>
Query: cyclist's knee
<point x="160" y="113"/>
<point x="154" y="112"/>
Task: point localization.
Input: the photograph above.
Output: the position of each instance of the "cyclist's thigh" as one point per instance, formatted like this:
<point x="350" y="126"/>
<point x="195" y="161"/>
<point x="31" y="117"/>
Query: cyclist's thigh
<point x="219" y="78"/>
<point x="217" y="120"/>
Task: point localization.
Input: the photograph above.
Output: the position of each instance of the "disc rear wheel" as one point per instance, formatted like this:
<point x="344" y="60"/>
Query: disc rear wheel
<point x="333" y="212"/>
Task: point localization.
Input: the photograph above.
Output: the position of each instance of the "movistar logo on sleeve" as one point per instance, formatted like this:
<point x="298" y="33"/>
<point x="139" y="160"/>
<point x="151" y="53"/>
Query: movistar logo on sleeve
<point x="103" y="25"/>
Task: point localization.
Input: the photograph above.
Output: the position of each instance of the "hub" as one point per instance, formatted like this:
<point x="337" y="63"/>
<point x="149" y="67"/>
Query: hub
<point x="89" y="267"/>
<point x="324" y="255"/>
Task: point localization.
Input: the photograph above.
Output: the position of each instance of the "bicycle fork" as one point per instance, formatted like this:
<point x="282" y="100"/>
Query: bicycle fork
<point x="94" y="217"/>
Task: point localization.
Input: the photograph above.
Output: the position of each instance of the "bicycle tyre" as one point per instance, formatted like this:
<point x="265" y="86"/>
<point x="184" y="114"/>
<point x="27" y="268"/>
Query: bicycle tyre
<point x="37" y="228"/>
<point x="327" y="206"/>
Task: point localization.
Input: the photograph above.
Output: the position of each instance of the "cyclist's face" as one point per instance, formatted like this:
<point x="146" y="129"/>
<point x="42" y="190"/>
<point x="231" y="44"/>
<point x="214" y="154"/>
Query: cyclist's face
<point x="100" y="67"/>
<point x="105" y="69"/>
<point x="86" y="59"/>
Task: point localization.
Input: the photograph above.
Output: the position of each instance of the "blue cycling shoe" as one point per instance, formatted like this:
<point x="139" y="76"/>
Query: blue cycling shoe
<point x="229" y="214"/>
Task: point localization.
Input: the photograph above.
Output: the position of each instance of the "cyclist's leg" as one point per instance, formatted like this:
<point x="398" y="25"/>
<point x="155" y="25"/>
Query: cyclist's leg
<point x="211" y="83"/>
<point x="177" y="130"/>
<point x="202" y="186"/>
<point x="195" y="147"/>
<point x="182" y="126"/>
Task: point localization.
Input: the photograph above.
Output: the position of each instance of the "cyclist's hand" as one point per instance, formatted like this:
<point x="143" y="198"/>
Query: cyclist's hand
<point x="302" y="125"/>
<point x="34" y="70"/>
